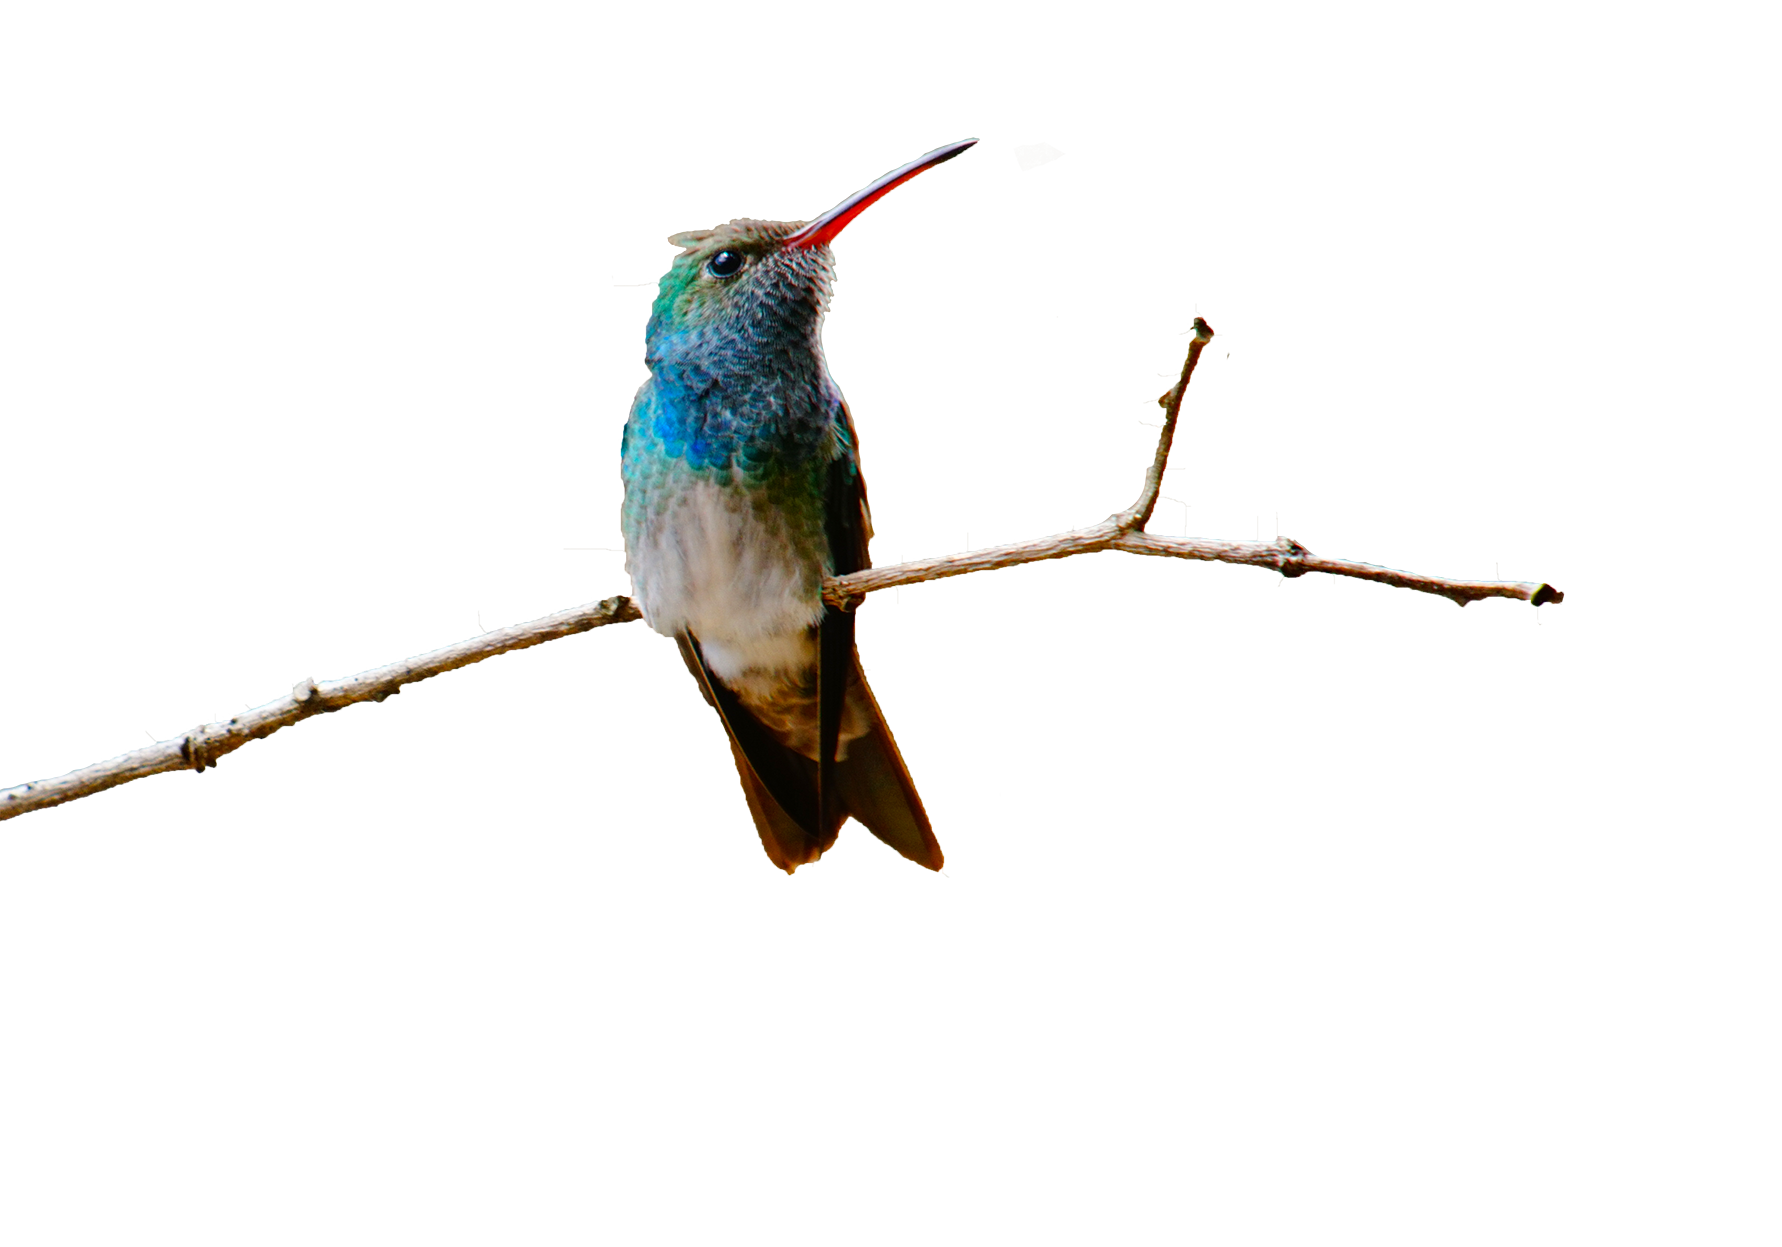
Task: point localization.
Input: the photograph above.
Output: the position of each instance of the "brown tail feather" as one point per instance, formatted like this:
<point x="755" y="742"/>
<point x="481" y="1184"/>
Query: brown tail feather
<point x="787" y="845"/>
<point x="877" y="789"/>
<point x="781" y="786"/>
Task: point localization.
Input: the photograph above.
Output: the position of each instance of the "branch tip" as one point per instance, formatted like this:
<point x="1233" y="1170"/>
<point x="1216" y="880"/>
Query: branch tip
<point x="1135" y="517"/>
<point x="1291" y="563"/>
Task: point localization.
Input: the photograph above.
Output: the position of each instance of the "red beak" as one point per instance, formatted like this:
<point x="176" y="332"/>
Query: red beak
<point x="826" y="227"/>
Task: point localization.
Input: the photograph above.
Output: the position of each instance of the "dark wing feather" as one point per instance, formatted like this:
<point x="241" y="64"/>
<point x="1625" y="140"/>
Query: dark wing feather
<point x="849" y="529"/>
<point x="872" y="783"/>
<point x="848" y="518"/>
<point x="781" y="786"/>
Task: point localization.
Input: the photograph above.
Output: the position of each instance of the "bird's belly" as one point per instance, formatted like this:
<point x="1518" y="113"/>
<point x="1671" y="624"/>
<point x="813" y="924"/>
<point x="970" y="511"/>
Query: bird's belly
<point x="710" y="559"/>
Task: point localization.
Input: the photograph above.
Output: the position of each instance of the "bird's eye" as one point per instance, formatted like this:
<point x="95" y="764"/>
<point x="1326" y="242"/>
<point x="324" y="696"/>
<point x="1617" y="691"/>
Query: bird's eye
<point x="725" y="264"/>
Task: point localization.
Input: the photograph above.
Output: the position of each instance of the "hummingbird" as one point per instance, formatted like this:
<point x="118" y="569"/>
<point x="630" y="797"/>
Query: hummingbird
<point x="742" y="492"/>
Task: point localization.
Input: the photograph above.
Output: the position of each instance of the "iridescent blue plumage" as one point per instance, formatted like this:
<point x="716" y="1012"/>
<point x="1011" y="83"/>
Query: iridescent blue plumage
<point x="727" y="450"/>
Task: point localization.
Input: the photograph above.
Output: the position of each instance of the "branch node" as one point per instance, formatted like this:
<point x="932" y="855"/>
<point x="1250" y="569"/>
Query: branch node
<point x="1290" y="561"/>
<point x="304" y="690"/>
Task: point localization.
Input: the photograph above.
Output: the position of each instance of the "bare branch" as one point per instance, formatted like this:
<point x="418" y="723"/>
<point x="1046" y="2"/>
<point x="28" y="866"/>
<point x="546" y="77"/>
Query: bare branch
<point x="202" y="746"/>
<point x="1124" y="531"/>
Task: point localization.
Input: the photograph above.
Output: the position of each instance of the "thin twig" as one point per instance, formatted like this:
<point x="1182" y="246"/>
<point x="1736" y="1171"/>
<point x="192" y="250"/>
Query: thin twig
<point x="1135" y="517"/>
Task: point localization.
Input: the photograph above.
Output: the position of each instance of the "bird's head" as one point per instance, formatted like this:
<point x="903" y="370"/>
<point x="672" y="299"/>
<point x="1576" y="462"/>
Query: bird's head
<point x="752" y="287"/>
<point x="740" y="286"/>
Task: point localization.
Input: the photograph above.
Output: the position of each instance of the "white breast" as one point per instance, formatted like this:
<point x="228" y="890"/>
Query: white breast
<point x="711" y="564"/>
